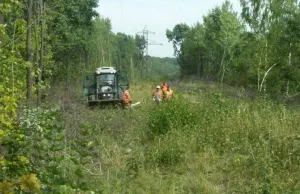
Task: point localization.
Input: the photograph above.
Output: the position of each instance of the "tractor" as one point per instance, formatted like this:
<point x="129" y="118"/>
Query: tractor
<point x="105" y="85"/>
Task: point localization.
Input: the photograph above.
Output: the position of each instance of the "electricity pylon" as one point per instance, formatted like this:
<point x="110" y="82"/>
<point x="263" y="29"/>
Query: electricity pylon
<point x="145" y="34"/>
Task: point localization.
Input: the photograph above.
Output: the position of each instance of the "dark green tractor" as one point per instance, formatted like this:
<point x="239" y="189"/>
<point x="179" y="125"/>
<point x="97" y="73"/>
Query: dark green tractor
<point x="105" y="85"/>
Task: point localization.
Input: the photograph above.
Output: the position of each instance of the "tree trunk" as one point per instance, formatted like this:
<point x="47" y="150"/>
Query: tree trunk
<point x="289" y="64"/>
<point x="41" y="64"/>
<point x="265" y="65"/>
<point x="222" y="68"/>
<point x="29" y="51"/>
<point x="1" y="20"/>
<point x="258" y="73"/>
<point x="36" y="56"/>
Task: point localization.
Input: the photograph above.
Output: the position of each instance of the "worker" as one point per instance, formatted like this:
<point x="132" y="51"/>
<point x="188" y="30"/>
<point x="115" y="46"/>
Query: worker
<point x="164" y="87"/>
<point x="157" y="95"/>
<point x="126" y="96"/>
<point x="170" y="93"/>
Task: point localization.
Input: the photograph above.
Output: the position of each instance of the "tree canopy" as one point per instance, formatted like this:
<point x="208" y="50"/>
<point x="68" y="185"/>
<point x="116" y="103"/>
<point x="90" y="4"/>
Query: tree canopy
<point x="259" y="50"/>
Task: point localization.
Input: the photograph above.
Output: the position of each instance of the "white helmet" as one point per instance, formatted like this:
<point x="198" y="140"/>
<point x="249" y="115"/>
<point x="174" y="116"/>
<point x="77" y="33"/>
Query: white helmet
<point x="157" y="87"/>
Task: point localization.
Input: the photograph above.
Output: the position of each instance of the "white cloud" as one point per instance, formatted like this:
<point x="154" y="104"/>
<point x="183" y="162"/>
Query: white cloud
<point x="130" y="17"/>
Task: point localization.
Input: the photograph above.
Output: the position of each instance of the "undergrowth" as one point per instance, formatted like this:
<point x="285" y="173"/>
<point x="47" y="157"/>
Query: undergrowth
<point x="200" y="142"/>
<point x="203" y="141"/>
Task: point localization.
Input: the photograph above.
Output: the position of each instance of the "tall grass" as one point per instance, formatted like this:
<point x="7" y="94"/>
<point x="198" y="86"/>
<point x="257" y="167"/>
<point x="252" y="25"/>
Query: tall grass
<point x="200" y="142"/>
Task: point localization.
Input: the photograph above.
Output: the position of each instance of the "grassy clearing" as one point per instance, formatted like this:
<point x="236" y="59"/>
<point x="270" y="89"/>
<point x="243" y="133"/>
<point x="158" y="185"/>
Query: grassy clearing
<point x="207" y="140"/>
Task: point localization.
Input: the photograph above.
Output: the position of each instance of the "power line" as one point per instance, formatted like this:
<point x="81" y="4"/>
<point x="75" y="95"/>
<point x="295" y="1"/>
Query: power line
<point x="145" y="34"/>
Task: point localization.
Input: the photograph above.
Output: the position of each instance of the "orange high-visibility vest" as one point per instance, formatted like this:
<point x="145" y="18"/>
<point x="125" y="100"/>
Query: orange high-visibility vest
<point x="126" y="97"/>
<point x="164" y="88"/>
<point x="170" y="94"/>
<point x="164" y="85"/>
<point x="164" y="91"/>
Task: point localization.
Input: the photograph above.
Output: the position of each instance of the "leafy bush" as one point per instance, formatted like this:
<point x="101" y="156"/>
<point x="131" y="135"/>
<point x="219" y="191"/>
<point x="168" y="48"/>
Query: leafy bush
<point x="159" y="123"/>
<point x="35" y="146"/>
<point x="39" y="153"/>
<point x="171" y="115"/>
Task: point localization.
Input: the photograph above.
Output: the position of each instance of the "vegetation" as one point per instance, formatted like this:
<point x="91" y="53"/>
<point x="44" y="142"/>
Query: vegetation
<point x="162" y="68"/>
<point x="210" y="139"/>
<point x="260" y="51"/>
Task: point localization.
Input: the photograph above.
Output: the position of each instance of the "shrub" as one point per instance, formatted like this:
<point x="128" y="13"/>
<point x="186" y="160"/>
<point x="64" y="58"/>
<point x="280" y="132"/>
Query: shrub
<point x="33" y="150"/>
<point x="177" y="114"/>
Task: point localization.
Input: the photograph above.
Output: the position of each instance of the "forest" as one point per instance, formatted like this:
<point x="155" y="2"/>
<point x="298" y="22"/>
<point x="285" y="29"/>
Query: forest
<point x="257" y="50"/>
<point x="232" y="127"/>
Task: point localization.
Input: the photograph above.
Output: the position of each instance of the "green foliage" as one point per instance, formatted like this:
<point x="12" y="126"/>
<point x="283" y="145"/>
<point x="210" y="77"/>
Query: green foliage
<point x="165" y="152"/>
<point x="162" y="68"/>
<point x="126" y="54"/>
<point x="80" y="155"/>
<point x="177" y="36"/>
<point x="201" y="142"/>
<point x="14" y="161"/>
<point x="222" y="49"/>
<point x="176" y="114"/>
<point x="251" y="133"/>
<point x="40" y="146"/>
<point x="12" y="65"/>
<point x="210" y="139"/>
<point x="101" y="44"/>
<point x="44" y="138"/>
<point x="70" y="24"/>
<point x="159" y="123"/>
<point x="35" y="146"/>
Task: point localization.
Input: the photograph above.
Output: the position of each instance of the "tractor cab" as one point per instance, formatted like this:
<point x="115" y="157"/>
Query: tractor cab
<point x="105" y="85"/>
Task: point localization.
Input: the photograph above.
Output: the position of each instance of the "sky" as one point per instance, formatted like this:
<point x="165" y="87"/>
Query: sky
<point x="131" y="16"/>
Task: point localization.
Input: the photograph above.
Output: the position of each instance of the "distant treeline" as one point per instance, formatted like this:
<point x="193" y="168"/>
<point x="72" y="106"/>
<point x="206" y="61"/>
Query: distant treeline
<point x="166" y="67"/>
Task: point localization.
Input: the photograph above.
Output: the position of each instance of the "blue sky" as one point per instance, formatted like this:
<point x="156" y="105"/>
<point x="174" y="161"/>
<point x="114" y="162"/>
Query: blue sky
<point x="131" y="16"/>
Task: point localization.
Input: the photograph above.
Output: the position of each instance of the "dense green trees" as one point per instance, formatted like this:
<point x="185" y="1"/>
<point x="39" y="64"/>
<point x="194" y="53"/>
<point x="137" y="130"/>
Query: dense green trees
<point x="57" y="41"/>
<point x="32" y="34"/>
<point x="43" y="44"/>
<point x="207" y="47"/>
<point x="259" y="51"/>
